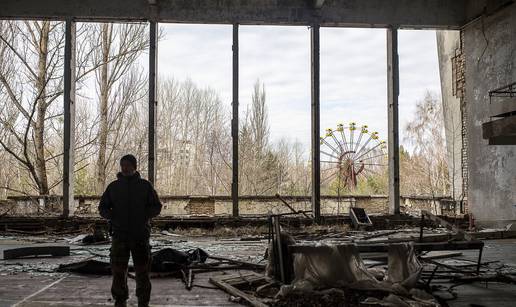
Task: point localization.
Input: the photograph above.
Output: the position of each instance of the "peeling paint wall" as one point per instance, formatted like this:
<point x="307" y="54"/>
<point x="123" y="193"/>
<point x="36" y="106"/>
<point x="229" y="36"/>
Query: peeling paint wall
<point x="490" y="49"/>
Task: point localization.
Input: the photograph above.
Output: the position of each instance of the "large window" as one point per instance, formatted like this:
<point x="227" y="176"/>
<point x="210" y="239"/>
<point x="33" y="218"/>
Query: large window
<point x="353" y="111"/>
<point x="194" y="110"/>
<point x="274" y="110"/>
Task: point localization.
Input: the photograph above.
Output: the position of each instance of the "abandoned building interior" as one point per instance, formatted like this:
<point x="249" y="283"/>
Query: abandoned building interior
<point x="326" y="245"/>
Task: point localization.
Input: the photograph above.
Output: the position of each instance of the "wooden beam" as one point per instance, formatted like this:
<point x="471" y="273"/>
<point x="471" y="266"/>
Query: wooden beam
<point x="226" y="286"/>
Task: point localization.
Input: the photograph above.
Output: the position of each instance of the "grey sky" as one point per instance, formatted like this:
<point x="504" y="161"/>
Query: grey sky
<point x="353" y="71"/>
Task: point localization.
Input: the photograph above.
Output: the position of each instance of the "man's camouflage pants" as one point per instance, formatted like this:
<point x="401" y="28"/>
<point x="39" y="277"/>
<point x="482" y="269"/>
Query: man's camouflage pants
<point x="141" y="253"/>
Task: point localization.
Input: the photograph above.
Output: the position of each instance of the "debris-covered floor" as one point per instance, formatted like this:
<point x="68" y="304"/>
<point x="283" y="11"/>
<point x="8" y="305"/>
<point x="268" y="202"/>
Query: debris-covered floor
<point x="35" y="282"/>
<point x="240" y="261"/>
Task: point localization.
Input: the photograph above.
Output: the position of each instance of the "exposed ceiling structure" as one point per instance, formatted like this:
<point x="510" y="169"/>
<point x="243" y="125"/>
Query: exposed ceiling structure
<point x="424" y="14"/>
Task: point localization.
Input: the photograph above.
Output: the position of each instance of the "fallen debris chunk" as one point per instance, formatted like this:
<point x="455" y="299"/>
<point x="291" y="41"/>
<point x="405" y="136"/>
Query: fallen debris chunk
<point x="37" y="251"/>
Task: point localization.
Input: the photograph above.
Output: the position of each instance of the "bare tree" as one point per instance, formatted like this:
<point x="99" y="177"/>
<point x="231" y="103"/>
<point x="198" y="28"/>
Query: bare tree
<point x="426" y="134"/>
<point x="30" y="68"/>
<point x="116" y="49"/>
<point x="258" y="118"/>
<point x="193" y="140"/>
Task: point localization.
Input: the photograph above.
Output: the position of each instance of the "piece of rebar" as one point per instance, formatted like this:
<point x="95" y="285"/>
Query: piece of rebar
<point x="290" y="207"/>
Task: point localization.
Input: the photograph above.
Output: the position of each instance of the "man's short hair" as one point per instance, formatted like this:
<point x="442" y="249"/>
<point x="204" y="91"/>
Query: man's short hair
<point x="131" y="159"/>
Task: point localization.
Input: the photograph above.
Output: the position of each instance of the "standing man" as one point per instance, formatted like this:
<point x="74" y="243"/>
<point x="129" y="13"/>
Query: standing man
<point x="129" y="203"/>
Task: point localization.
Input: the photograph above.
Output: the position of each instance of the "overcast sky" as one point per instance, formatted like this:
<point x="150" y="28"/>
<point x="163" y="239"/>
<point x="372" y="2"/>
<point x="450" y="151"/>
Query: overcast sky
<point x="353" y="71"/>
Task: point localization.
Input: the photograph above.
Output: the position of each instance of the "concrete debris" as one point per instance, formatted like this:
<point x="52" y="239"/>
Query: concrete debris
<point x="383" y="267"/>
<point x="36" y="251"/>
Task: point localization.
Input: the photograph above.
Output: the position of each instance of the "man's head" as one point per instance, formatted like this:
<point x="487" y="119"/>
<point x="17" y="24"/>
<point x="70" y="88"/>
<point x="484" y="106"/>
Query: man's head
<point x="128" y="165"/>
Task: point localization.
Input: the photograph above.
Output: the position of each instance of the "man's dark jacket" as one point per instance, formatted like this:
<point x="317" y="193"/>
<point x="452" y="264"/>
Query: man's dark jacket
<point x="129" y="203"/>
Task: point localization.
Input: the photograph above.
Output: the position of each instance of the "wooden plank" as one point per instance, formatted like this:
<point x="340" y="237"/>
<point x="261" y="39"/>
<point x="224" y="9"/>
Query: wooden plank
<point x="219" y="282"/>
<point x="234" y="279"/>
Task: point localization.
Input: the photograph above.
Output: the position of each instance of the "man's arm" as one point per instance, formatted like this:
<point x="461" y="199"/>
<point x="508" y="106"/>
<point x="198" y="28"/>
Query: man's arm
<point x="154" y="205"/>
<point x="106" y="206"/>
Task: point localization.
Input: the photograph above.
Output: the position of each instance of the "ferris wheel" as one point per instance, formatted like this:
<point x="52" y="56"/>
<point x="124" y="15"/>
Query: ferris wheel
<point x="349" y="153"/>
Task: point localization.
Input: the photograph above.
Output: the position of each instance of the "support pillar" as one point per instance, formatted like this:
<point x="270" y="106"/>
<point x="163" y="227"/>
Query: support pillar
<point x="234" y="123"/>
<point x="69" y="117"/>
<point x="153" y="103"/>
<point x="393" y="121"/>
<point x="315" y="113"/>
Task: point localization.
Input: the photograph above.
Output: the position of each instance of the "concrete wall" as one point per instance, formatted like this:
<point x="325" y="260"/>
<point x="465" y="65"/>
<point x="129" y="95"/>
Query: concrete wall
<point x="249" y="205"/>
<point x="448" y="43"/>
<point x="490" y="50"/>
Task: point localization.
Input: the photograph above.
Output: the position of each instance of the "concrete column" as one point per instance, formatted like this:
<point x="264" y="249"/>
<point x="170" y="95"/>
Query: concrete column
<point x="153" y="103"/>
<point x="448" y="51"/>
<point x="315" y="113"/>
<point x="393" y="121"/>
<point x="69" y="116"/>
<point x="234" y="123"/>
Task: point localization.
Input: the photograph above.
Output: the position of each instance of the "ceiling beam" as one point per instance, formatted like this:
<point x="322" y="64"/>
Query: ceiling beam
<point x="425" y="14"/>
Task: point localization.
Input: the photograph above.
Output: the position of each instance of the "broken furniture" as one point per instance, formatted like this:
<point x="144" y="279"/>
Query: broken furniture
<point x="279" y="255"/>
<point x="418" y="247"/>
<point x="359" y="217"/>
